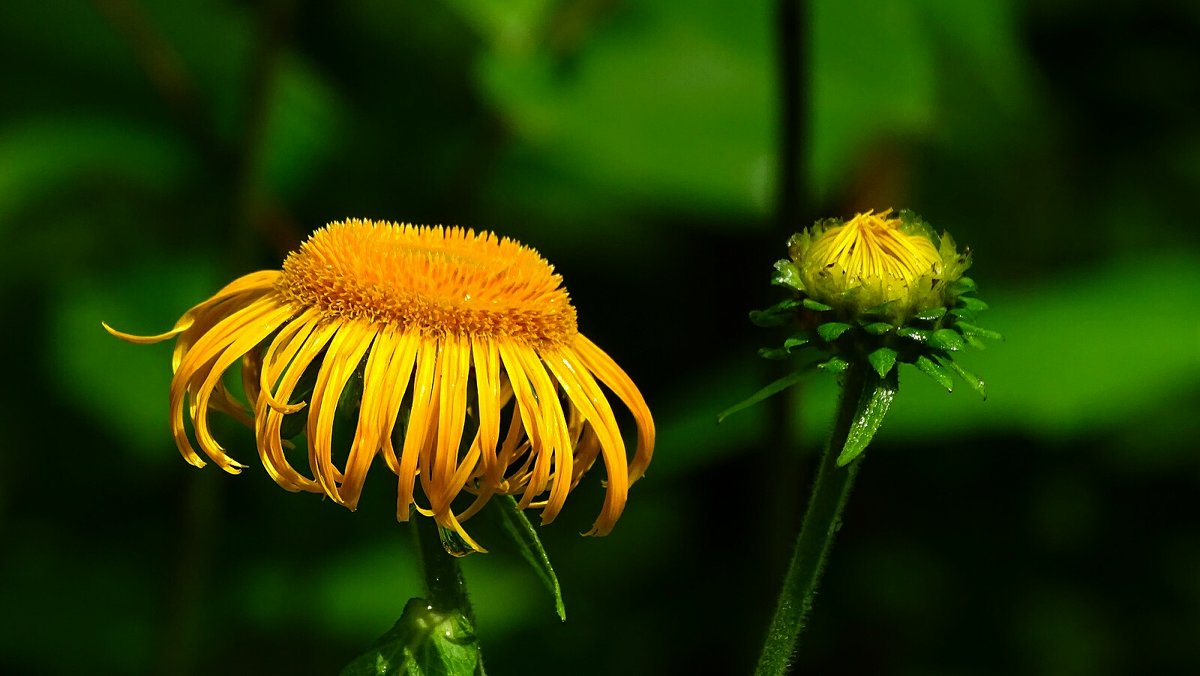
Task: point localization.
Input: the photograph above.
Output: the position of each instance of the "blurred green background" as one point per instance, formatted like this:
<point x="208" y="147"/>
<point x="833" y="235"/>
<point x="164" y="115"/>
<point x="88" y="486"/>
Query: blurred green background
<point x="151" y="150"/>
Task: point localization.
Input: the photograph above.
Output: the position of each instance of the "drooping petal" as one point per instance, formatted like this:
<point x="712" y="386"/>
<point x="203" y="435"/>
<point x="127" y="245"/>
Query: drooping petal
<point x="342" y="357"/>
<point x="371" y="414"/>
<point x="419" y="424"/>
<point x="554" y="431"/>
<point x="586" y="396"/>
<point x="272" y="418"/>
<point x="606" y="370"/>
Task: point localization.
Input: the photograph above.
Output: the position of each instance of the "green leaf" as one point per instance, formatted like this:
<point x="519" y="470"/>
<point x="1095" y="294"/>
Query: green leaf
<point x="835" y="365"/>
<point x="831" y="331"/>
<point x="815" y="306"/>
<point x="932" y="315"/>
<point x="918" y="335"/>
<point x="935" y="371"/>
<point x="878" y="328"/>
<point x="873" y="405"/>
<point x="883" y="359"/>
<point x="522" y="533"/>
<point x="423" y="642"/>
<point x="947" y="339"/>
<point x="972" y="330"/>
<point x="774" y="388"/>
<point x="970" y="378"/>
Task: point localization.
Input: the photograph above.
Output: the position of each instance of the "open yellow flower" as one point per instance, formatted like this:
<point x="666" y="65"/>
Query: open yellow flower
<point x="474" y="375"/>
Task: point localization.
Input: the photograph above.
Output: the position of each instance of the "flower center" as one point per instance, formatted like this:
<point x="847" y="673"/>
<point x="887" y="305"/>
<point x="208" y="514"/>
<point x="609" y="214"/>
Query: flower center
<point x="432" y="279"/>
<point x="872" y="249"/>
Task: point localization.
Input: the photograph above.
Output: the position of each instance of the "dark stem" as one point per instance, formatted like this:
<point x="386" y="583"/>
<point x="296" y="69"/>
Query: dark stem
<point x="830" y="491"/>
<point x="792" y="213"/>
<point x="444" y="583"/>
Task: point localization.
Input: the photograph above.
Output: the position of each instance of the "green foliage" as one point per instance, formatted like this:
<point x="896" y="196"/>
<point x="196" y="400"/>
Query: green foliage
<point x="525" y="538"/>
<point x="882" y="360"/>
<point x="771" y="389"/>
<point x="873" y="404"/>
<point x="422" y="643"/>
<point x="831" y="331"/>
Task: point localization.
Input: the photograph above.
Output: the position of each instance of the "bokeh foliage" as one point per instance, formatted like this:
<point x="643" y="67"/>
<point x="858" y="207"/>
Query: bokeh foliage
<point x="150" y="150"/>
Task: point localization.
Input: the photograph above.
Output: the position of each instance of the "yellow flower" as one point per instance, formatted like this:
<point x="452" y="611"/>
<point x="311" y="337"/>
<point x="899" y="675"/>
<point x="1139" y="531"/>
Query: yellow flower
<point x="872" y="259"/>
<point x="474" y="375"/>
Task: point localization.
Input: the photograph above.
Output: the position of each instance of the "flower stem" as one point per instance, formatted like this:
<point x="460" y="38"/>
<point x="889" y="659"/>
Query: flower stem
<point x="444" y="585"/>
<point x="822" y="520"/>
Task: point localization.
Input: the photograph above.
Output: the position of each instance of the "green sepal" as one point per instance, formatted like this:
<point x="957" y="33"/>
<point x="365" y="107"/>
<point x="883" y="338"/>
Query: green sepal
<point x="972" y="303"/>
<point x="798" y="340"/>
<point x="883" y="360"/>
<point x="831" y="331"/>
<point x="834" y="365"/>
<point x="423" y="642"/>
<point x="771" y="389"/>
<point x="932" y="315"/>
<point x="787" y="275"/>
<point x="774" y="353"/>
<point x="878" y="328"/>
<point x="947" y="339"/>
<point x="873" y="405"/>
<point x="935" y="371"/>
<point x="776" y="315"/>
<point x="522" y="534"/>
<point x="961" y="286"/>
<point x="883" y="308"/>
<point x="974" y="342"/>
<point x="969" y="378"/>
<point x="962" y="314"/>
<point x="972" y="330"/>
<point x="815" y="306"/>
<point x="918" y="335"/>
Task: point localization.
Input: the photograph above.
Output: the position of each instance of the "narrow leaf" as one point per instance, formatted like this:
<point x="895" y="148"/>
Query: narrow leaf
<point x="774" y="388"/>
<point x="883" y="359"/>
<point x="947" y="339"/>
<point x="970" y="378"/>
<point x="523" y="535"/>
<point x="873" y="405"/>
<point x="830" y="331"/>
<point x="934" y="370"/>
<point x="815" y="306"/>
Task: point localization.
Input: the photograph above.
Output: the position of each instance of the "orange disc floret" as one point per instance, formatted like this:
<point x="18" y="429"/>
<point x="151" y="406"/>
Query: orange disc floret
<point x="430" y="279"/>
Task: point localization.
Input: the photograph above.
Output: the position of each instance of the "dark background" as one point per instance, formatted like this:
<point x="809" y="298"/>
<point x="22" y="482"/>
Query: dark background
<point x="151" y="150"/>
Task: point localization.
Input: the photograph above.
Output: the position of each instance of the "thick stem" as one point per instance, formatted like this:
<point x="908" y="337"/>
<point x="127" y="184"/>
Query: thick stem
<point x="444" y="583"/>
<point x="821" y="521"/>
